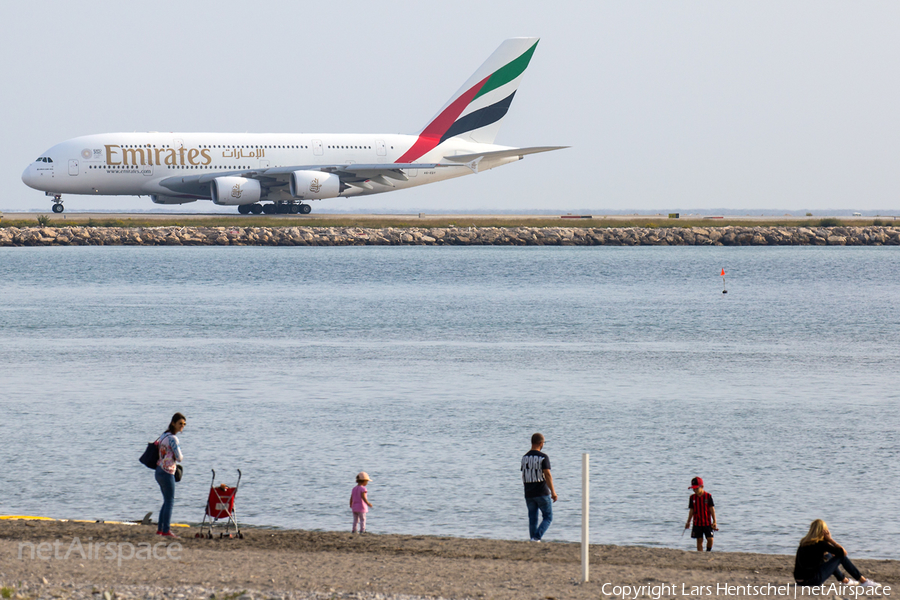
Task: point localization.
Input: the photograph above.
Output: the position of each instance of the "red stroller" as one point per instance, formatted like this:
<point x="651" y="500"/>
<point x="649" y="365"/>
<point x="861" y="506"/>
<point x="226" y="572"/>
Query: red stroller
<point x="220" y="505"/>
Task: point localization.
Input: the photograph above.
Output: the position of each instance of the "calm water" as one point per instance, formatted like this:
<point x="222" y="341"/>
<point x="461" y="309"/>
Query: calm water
<point x="431" y="367"/>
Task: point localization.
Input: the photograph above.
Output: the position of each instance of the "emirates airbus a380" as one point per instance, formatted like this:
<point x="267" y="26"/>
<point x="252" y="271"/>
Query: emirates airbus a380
<point x="278" y="172"/>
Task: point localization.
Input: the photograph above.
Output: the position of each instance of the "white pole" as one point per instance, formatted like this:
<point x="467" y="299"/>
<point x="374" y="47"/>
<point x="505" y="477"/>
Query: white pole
<point x="585" y="516"/>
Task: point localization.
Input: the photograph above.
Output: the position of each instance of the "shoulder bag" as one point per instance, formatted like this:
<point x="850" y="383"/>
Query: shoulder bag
<point x="151" y="455"/>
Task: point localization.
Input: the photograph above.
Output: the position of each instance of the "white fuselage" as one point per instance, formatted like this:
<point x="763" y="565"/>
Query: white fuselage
<point x="136" y="163"/>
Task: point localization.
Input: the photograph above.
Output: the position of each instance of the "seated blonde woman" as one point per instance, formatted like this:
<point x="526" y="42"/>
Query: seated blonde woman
<point x="819" y="557"/>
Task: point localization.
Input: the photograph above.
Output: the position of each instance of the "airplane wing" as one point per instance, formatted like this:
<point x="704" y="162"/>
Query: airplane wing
<point x="472" y="160"/>
<point x="356" y="175"/>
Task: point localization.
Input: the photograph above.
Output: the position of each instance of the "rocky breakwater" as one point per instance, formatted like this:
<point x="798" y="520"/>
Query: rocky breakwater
<point x="451" y="236"/>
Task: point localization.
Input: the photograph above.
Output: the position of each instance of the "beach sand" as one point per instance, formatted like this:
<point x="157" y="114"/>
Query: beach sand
<point x="311" y="564"/>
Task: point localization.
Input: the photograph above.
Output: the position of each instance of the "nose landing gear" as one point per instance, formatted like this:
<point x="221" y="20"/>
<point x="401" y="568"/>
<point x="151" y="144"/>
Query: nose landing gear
<point x="57" y="203"/>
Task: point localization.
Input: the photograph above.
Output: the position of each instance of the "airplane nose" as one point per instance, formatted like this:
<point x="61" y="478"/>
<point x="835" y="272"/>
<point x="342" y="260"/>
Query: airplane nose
<point x="28" y="177"/>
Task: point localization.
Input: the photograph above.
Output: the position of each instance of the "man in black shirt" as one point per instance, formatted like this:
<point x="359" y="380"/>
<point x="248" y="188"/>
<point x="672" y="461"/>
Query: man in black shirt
<point x="539" y="492"/>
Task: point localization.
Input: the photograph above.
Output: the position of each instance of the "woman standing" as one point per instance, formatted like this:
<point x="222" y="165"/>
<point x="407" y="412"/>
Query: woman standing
<point x="819" y="557"/>
<point x="169" y="454"/>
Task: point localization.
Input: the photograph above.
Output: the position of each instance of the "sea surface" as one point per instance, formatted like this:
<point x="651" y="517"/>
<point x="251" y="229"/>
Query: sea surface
<point x="430" y="368"/>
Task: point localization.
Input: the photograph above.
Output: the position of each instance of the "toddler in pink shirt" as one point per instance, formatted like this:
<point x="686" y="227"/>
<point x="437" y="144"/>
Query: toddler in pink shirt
<point x="359" y="502"/>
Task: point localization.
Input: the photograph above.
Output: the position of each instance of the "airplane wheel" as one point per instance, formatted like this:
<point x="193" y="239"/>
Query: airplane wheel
<point x="294" y="209"/>
<point x="269" y="209"/>
<point x="58" y="208"/>
<point x="305" y="209"/>
<point x="256" y="209"/>
<point x="196" y="535"/>
<point x="244" y="209"/>
<point x="209" y="536"/>
<point x="241" y="535"/>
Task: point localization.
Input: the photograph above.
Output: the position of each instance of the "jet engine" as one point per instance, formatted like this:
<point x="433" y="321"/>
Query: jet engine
<point x="315" y="185"/>
<point x="170" y="199"/>
<point x="234" y="191"/>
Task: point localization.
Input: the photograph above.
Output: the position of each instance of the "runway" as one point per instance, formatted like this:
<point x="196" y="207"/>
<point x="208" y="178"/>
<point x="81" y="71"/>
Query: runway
<point x="569" y="219"/>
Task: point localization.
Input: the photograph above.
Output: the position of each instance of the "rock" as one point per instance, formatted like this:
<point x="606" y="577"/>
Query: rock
<point x="354" y="236"/>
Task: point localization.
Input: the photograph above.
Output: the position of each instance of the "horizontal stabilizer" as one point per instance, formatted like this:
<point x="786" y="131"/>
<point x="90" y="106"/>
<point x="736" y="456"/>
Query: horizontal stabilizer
<point x="520" y="152"/>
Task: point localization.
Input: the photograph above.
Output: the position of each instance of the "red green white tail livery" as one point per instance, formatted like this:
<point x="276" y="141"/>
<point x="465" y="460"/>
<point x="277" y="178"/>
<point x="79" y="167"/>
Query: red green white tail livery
<point x="475" y="112"/>
<point x="281" y="172"/>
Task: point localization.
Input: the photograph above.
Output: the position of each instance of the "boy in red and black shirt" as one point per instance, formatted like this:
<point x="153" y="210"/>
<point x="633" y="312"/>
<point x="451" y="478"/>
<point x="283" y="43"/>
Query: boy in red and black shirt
<point x="702" y="510"/>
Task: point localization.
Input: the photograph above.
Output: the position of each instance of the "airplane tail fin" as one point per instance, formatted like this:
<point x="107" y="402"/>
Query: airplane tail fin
<point x="476" y="111"/>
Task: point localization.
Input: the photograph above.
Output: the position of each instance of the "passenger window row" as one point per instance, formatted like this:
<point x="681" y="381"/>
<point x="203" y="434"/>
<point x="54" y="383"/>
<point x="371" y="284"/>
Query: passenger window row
<point x="129" y="167"/>
<point x="254" y="146"/>
<point x="227" y="146"/>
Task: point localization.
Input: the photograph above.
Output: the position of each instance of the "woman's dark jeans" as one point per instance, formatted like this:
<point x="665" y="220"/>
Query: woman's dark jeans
<point x="832" y="567"/>
<point x="166" y="483"/>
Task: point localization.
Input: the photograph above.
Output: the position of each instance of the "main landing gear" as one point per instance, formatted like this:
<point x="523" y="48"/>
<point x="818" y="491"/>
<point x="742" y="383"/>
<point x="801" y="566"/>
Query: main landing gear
<point x="277" y="208"/>
<point x="246" y="209"/>
<point x="57" y="203"/>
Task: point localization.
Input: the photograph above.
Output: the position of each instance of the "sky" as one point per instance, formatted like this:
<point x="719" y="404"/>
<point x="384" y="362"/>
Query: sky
<point x="746" y="104"/>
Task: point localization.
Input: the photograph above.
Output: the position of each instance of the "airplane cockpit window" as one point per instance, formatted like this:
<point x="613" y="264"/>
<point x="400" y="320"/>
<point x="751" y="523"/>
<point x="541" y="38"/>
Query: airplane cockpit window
<point x="49" y="159"/>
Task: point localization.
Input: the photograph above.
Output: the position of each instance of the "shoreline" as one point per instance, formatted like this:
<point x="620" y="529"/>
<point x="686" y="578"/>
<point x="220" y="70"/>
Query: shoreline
<point x="450" y="236"/>
<point x="312" y="564"/>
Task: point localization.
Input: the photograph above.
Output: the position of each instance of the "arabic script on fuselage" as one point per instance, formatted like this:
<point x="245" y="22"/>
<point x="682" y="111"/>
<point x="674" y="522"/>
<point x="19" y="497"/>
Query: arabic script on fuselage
<point x="119" y="155"/>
